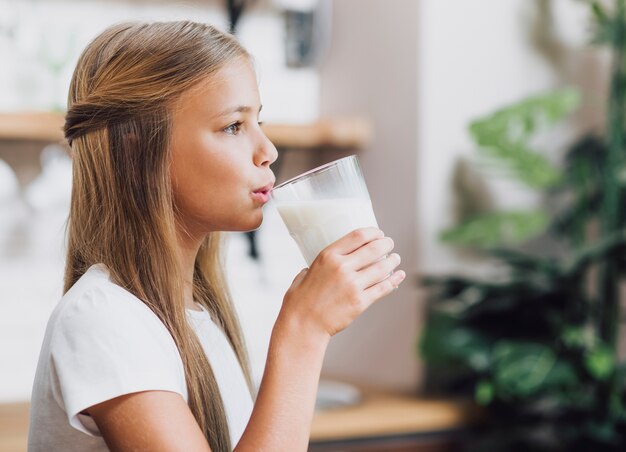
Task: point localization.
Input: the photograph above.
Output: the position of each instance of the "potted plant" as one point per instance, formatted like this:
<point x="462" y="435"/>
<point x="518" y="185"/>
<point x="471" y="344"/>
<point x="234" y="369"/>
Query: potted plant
<point x="535" y="339"/>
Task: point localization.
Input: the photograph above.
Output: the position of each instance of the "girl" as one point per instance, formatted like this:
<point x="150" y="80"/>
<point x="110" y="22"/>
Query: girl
<point x="144" y="351"/>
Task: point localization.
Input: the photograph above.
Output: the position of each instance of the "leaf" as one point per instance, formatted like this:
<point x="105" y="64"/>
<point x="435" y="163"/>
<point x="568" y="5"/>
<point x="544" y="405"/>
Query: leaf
<point x="599" y="13"/>
<point x="581" y="337"/>
<point x="525" y="262"/>
<point x="528" y="166"/>
<point x="600" y="362"/>
<point x="521" y="368"/>
<point x="606" y="27"/>
<point x="484" y="392"/>
<point x="503" y="135"/>
<point x="572" y="220"/>
<point x="496" y="229"/>
<point x="614" y="243"/>
<point x="562" y="375"/>
<point x="517" y="122"/>
<point x="445" y="342"/>
<point x="584" y="161"/>
<point x="602" y="430"/>
<point x="617" y="407"/>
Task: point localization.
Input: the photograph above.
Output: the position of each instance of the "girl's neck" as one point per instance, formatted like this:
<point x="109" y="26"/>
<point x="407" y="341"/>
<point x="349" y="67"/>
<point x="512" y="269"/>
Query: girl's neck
<point x="188" y="250"/>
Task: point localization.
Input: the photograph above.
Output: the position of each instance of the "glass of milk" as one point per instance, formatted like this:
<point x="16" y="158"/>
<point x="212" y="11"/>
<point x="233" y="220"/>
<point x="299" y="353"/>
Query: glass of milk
<point x="324" y="204"/>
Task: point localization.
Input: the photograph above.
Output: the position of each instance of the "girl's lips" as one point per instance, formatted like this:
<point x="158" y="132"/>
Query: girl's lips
<point x="266" y="188"/>
<point x="262" y="196"/>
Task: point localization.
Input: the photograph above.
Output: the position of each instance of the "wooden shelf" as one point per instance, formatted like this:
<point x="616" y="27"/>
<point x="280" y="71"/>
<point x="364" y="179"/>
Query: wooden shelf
<point x="380" y="415"/>
<point x="35" y="126"/>
<point x="340" y="132"/>
<point x="13" y="427"/>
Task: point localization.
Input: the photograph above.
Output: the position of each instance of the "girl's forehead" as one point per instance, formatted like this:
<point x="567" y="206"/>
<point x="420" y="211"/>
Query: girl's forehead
<point x="231" y="88"/>
<point x="233" y="73"/>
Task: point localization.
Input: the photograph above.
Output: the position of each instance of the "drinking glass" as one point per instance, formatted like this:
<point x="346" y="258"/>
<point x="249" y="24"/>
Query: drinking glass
<point x="324" y="204"/>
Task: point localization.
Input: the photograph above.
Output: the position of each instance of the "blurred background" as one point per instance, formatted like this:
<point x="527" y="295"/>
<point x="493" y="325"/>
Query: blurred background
<point x="493" y="158"/>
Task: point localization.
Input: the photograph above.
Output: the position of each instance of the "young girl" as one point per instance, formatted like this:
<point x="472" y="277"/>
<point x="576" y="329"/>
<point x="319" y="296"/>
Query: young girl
<point x="144" y="350"/>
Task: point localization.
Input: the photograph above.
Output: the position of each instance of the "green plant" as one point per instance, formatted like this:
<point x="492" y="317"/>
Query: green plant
<point x="536" y="341"/>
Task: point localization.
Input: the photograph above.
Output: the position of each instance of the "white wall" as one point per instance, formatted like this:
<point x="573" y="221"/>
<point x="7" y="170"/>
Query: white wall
<point x="421" y="71"/>
<point x="372" y="70"/>
<point x="475" y="57"/>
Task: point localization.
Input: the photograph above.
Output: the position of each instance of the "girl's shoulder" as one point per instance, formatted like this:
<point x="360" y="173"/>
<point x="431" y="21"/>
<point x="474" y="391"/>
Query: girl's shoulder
<point x="102" y="342"/>
<point x="96" y="309"/>
<point x="95" y="296"/>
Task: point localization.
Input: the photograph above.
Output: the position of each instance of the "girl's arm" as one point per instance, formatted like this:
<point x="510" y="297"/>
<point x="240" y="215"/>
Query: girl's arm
<point x="157" y="421"/>
<point x="283" y="410"/>
<point x="345" y="279"/>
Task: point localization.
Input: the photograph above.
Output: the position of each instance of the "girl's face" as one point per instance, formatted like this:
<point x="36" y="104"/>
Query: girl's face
<point x="221" y="158"/>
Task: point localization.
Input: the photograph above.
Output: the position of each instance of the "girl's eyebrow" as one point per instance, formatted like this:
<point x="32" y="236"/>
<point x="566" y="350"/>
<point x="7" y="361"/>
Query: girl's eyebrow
<point x="238" y="109"/>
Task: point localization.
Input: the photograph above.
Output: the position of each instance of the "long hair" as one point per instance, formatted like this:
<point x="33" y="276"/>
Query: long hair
<point x="122" y="213"/>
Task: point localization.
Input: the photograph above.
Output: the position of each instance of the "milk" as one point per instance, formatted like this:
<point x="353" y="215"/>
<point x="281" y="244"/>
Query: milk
<point x="316" y="224"/>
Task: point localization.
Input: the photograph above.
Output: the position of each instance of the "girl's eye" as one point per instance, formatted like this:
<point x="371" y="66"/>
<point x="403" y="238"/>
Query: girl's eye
<point x="233" y="129"/>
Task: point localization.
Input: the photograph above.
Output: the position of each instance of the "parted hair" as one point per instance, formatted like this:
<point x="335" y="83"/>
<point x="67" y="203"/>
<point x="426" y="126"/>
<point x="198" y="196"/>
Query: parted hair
<point x="122" y="213"/>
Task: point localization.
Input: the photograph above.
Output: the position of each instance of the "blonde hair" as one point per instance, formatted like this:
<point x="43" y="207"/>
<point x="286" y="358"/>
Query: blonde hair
<point x="122" y="212"/>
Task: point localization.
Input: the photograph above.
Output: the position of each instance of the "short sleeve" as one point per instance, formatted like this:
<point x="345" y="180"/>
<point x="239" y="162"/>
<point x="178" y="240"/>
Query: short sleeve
<point x="107" y="343"/>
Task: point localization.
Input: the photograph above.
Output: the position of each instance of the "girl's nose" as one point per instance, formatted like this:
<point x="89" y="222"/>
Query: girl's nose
<point x="266" y="151"/>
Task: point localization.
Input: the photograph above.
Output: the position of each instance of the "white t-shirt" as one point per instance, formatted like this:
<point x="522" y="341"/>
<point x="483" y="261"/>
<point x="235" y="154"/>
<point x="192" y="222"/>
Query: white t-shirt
<point x="102" y="342"/>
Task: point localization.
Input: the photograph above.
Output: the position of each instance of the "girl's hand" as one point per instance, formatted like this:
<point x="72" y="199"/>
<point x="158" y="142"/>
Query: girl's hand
<point x="343" y="281"/>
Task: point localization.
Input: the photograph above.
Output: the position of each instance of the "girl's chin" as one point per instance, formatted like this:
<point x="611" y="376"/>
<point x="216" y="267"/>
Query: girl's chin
<point x="254" y="224"/>
<point x="251" y="222"/>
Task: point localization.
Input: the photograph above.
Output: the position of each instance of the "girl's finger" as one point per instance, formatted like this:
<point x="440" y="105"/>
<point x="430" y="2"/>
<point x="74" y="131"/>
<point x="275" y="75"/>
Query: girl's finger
<point x="383" y="288"/>
<point x="354" y="240"/>
<point x="378" y="271"/>
<point x="374" y="251"/>
<point x="300" y="276"/>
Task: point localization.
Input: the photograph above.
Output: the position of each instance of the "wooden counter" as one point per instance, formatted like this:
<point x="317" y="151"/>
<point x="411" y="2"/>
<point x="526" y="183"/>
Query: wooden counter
<point x="339" y="132"/>
<point x="393" y="423"/>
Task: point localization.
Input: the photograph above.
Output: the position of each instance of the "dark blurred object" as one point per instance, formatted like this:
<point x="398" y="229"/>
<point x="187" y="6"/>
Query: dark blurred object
<point x="535" y="340"/>
<point x="299" y="48"/>
<point x="307" y="33"/>
<point x="235" y="9"/>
